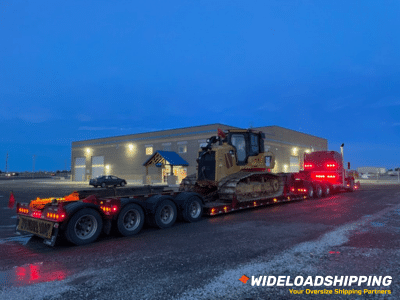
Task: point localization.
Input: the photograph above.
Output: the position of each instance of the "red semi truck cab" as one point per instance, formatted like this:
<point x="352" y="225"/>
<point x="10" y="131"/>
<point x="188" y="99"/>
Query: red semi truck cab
<point x="323" y="174"/>
<point x="325" y="166"/>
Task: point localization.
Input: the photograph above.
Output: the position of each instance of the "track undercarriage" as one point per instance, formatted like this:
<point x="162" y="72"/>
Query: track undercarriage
<point x="245" y="185"/>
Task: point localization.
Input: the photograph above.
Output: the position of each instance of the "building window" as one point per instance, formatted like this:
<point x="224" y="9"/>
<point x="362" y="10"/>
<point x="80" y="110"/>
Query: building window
<point x="149" y="149"/>
<point x="182" y="148"/>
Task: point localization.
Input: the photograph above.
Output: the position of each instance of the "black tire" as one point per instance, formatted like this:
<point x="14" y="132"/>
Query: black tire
<point x="351" y="188"/>
<point x="84" y="227"/>
<point x="310" y="192"/>
<point x="130" y="220"/>
<point x="327" y="190"/>
<point x="165" y="214"/>
<point x="122" y="183"/>
<point x="193" y="209"/>
<point x="95" y="186"/>
<point x="103" y="185"/>
<point x="318" y="191"/>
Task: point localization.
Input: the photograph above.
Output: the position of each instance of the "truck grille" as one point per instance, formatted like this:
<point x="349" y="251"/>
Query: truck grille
<point x="38" y="227"/>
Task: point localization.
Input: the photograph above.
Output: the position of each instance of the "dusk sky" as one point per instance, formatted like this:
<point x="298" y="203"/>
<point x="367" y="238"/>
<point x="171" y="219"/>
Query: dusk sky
<point x="76" y="70"/>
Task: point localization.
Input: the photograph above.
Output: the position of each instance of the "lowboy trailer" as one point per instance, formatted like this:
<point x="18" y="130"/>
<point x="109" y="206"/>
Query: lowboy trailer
<point x="83" y="215"/>
<point x="234" y="173"/>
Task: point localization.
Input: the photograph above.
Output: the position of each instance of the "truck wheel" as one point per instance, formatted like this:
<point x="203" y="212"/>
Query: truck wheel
<point x="165" y="215"/>
<point x="130" y="220"/>
<point x="103" y="185"/>
<point x="310" y="192"/>
<point x="84" y="227"/>
<point x="318" y="191"/>
<point x="327" y="190"/>
<point x="193" y="210"/>
<point x="351" y="188"/>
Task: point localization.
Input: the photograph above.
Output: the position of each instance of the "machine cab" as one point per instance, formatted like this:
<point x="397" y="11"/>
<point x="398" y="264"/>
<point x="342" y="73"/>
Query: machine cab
<point x="246" y="143"/>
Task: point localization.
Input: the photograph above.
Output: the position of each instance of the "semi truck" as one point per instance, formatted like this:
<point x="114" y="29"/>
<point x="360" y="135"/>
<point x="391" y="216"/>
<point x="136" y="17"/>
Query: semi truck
<point x="233" y="173"/>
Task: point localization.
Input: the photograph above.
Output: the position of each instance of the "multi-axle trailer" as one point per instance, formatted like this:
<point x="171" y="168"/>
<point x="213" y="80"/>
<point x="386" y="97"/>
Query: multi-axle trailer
<point x="83" y="215"/>
<point x="233" y="173"/>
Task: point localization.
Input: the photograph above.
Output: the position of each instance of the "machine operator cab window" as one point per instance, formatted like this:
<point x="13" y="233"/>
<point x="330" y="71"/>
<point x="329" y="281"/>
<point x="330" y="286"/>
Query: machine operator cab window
<point x="239" y="142"/>
<point x="246" y="144"/>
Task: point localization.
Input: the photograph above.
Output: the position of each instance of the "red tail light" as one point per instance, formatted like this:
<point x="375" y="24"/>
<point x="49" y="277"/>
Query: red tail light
<point x="36" y="214"/>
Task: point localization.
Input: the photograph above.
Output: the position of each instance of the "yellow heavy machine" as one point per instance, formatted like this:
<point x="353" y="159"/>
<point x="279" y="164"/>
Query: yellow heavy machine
<point x="234" y="165"/>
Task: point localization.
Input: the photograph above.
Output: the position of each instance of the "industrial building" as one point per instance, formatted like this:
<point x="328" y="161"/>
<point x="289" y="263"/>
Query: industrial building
<point x="371" y="170"/>
<point x="134" y="156"/>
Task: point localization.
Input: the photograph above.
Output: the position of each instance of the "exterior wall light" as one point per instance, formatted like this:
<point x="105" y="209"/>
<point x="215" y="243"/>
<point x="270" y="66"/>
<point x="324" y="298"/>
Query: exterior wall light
<point x="131" y="150"/>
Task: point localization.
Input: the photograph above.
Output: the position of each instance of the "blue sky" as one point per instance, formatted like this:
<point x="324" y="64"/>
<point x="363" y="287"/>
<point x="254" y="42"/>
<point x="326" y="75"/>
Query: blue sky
<point x="74" y="70"/>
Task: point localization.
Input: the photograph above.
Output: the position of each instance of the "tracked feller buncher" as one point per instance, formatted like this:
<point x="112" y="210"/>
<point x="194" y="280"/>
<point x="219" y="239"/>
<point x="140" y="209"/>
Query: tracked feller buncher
<point x="234" y="167"/>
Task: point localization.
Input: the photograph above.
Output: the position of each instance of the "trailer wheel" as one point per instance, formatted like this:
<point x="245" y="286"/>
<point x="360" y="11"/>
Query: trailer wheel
<point x="84" y="227"/>
<point x="318" y="191"/>
<point x="165" y="215"/>
<point x="130" y="220"/>
<point x="193" y="209"/>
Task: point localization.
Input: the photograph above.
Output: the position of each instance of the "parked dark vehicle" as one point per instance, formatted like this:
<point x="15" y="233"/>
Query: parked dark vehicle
<point x="107" y="180"/>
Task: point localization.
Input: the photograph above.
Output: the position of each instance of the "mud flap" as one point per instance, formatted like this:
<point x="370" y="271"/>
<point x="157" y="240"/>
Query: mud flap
<point x="52" y="241"/>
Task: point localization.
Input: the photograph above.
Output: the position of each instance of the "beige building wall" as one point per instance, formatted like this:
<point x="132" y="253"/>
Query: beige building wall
<point x="124" y="156"/>
<point x="286" y="143"/>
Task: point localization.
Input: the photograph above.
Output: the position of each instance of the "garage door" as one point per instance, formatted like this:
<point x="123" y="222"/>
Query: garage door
<point x="97" y="166"/>
<point x="80" y="168"/>
<point x="294" y="164"/>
